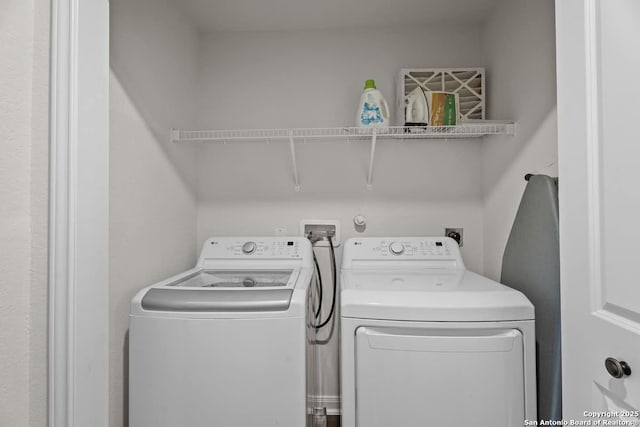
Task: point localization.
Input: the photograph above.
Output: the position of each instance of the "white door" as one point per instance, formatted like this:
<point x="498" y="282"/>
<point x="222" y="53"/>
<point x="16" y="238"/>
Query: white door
<point x="598" y="60"/>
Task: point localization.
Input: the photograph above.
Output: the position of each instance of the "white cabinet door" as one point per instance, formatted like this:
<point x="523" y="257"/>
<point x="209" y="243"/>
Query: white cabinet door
<point x="598" y="59"/>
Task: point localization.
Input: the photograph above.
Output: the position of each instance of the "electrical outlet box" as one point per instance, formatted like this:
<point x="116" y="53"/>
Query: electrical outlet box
<point x="323" y="227"/>
<point x="456" y="234"/>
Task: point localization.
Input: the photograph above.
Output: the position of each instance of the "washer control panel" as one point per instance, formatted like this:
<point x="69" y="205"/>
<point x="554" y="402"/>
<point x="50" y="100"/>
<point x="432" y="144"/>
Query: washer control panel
<point x="255" y="248"/>
<point x="426" y="249"/>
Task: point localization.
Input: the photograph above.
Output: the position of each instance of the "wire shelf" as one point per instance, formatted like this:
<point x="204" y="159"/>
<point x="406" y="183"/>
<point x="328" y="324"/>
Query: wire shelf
<point x="473" y="129"/>
<point x="466" y="130"/>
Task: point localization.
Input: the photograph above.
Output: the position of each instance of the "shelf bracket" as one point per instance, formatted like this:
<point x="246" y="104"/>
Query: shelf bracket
<point x="296" y="178"/>
<point x="374" y="137"/>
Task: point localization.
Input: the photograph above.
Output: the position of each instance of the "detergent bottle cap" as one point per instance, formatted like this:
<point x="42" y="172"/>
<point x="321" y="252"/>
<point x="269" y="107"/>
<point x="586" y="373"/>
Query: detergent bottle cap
<point x="370" y="84"/>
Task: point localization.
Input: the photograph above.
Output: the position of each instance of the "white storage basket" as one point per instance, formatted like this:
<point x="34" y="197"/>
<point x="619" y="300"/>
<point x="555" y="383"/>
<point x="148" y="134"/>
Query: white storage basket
<point x="468" y="83"/>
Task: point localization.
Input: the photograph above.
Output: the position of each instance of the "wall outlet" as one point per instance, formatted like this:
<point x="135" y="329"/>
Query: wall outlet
<point x="456" y="234"/>
<point x="280" y="231"/>
<point x="321" y="227"/>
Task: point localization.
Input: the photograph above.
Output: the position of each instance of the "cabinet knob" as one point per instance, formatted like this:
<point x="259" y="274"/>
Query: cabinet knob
<point x="617" y="369"/>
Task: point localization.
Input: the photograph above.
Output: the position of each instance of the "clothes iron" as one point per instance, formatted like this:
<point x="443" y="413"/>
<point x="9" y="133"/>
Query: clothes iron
<point x="417" y="108"/>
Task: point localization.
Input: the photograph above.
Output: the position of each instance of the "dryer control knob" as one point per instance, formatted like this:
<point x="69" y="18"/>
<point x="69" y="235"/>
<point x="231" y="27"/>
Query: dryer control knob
<point x="249" y="247"/>
<point x="396" y="248"/>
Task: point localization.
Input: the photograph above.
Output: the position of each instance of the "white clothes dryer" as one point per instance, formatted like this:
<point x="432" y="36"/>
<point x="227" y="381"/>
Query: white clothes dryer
<point x="427" y="343"/>
<point x="224" y="344"/>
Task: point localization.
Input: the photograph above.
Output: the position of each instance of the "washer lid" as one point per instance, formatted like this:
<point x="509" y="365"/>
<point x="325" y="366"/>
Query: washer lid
<point x="446" y="295"/>
<point x="224" y="290"/>
<point x="199" y="300"/>
<point x="211" y="278"/>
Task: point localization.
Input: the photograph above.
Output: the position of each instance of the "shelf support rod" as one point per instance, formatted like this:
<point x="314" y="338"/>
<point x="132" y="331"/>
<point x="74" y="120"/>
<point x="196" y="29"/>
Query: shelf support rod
<point x="296" y="178"/>
<point x="374" y="137"/>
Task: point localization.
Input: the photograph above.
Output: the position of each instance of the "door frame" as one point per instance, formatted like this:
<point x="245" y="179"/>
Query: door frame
<point x="576" y="142"/>
<point x="79" y="214"/>
<point x="79" y="196"/>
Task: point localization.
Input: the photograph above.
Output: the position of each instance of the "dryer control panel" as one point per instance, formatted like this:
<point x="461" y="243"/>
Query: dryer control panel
<point x="431" y="251"/>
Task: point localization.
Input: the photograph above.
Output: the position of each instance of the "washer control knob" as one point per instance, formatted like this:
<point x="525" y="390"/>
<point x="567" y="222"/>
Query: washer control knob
<point x="249" y="248"/>
<point x="248" y="282"/>
<point x="396" y="248"/>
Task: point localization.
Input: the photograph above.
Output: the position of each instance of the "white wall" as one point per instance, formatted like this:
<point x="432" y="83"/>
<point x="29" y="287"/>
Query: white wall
<point x="24" y="83"/>
<point x="153" y="204"/>
<point x="315" y="78"/>
<point x="519" y="41"/>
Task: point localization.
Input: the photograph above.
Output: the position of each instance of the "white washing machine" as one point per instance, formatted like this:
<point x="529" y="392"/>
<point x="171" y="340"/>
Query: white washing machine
<point x="427" y="343"/>
<point x="224" y="344"/>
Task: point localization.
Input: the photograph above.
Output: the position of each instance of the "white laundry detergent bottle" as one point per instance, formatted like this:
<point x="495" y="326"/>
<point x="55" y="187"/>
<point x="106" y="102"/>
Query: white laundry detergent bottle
<point x="373" y="110"/>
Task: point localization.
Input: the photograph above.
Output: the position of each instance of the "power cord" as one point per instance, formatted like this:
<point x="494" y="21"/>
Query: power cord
<point x="318" y="284"/>
<point x="333" y="274"/>
<point x="318" y="276"/>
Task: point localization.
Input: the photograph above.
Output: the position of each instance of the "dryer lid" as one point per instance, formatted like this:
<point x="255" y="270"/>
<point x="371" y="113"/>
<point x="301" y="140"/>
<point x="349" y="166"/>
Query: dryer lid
<point x="439" y="295"/>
